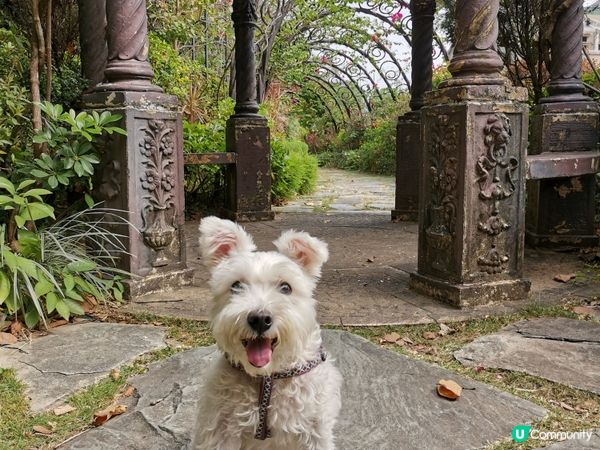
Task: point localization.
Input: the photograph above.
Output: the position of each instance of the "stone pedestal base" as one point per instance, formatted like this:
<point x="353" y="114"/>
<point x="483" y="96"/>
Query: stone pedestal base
<point x="408" y="161"/>
<point x="469" y="295"/>
<point x="159" y="282"/>
<point x="560" y="211"/>
<point x="249" y="180"/>
<point x="471" y="221"/>
<point x="142" y="175"/>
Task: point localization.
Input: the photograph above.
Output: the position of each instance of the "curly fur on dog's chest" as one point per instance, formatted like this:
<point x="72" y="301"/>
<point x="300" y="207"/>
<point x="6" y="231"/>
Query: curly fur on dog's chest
<point x="297" y="405"/>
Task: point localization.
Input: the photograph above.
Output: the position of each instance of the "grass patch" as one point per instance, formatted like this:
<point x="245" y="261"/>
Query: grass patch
<point x="17" y="421"/>
<point x="556" y="398"/>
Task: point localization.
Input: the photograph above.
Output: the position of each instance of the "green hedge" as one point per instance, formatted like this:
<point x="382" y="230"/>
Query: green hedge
<point x="294" y="170"/>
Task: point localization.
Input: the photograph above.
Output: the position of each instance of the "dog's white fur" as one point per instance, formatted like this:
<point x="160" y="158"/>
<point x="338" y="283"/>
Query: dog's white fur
<point x="303" y="408"/>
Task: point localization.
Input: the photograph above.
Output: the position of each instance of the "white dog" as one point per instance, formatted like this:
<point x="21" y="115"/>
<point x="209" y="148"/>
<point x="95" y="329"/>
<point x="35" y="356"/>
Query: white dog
<point x="272" y="387"/>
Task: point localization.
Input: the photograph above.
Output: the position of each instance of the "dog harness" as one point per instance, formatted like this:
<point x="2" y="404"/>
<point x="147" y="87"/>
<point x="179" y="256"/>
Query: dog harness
<point x="266" y="389"/>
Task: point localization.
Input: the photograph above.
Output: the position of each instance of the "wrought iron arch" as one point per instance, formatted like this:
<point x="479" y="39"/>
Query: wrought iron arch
<point x="327" y="87"/>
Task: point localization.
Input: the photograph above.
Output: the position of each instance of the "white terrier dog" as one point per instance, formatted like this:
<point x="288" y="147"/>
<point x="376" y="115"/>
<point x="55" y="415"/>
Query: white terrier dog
<point x="272" y="388"/>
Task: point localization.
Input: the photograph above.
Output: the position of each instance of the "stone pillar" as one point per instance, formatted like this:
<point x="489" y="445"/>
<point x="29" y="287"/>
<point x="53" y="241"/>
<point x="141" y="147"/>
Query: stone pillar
<point x="471" y="217"/>
<point x="560" y="211"/>
<point x="92" y="38"/>
<point x="142" y="173"/>
<point x="409" y="145"/>
<point x="249" y="180"/>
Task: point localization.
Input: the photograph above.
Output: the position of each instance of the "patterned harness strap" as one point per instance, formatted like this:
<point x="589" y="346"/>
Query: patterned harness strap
<point x="266" y="389"/>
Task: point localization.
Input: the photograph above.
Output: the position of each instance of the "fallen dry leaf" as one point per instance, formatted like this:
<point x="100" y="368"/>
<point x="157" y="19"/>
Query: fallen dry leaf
<point x="430" y="335"/>
<point x="478" y="368"/>
<point x="115" y="374"/>
<point x="102" y="416"/>
<point x="40" y="429"/>
<point x="391" y="338"/>
<point x="129" y="391"/>
<point x="64" y="409"/>
<point x="7" y="338"/>
<point x="16" y="327"/>
<point x="58" y="323"/>
<point x="564" y="277"/>
<point x="587" y="310"/>
<point x="52" y="425"/>
<point x="566" y="406"/>
<point x="405" y="340"/>
<point x="449" y="389"/>
<point x="445" y="330"/>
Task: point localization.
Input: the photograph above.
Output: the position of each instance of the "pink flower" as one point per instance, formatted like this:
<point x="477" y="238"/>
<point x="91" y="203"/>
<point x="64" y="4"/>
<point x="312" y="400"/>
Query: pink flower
<point x="397" y="16"/>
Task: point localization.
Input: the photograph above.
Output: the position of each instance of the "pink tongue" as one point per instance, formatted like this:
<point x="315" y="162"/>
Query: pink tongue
<point x="259" y="351"/>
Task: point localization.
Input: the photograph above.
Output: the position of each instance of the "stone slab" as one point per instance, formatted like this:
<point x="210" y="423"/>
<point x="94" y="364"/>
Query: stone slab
<point x="562" y="350"/>
<point x="73" y="357"/>
<point x="577" y="444"/>
<point x="389" y="403"/>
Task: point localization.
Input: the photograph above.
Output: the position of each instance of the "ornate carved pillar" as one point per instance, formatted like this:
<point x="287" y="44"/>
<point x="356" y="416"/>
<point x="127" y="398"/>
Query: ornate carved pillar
<point x="142" y="172"/>
<point x="128" y="68"/>
<point x="249" y="180"/>
<point x="560" y="211"/>
<point x="409" y="145"/>
<point x="471" y="221"/>
<point x="92" y="38"/>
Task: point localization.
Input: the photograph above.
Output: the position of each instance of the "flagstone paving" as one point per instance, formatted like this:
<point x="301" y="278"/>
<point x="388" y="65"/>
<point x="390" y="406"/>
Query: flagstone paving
<point x="73" y="357"/>
<point x="389" y="403"/>
<point x="563" y="350"/>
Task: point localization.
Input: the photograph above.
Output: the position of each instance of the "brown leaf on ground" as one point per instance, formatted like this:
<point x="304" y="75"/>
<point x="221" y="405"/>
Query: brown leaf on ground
<point x="445" y="330"/>
<point x="405" y="341"/>
<point x="478" y="368"/>
<point x="425" y="349"/>
<point x="58" y="323"/>
<point x="16" y="327"/>
<point x="7" y="338"/>
<point x="40" y="429"/>
<point x="430" y="335"/>
<point x="587" y="310"/>
<point x="115" y="374"/>
<point x="390" y="338"/>
<point x="564" y="277"/>
<point x="129" y="391"/>
<point x="64" y="409"/>
<point x="102" y="416"/>
<point x="449" y="389"/>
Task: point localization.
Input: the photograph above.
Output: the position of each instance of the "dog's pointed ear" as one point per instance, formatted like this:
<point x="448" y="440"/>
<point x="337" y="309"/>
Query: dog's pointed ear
<point x="308" y="252"/>
<point x="220" y="238"/>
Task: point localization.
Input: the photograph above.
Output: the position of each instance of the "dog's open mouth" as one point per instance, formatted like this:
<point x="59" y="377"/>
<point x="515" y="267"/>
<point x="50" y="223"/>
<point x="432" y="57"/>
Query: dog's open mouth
<point x="259" y="350"/>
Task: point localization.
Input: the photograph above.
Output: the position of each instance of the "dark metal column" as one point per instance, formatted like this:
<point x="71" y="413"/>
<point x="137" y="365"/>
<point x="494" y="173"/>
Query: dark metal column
<point x="92" y="38"/>
<point x="141" y="173"/>
<point x="471" y="221"/>
<point x="409" y="145"/>
<point x="560" y="211"/>
<point x="128" y="68"/>
<point x="249" y="180"/>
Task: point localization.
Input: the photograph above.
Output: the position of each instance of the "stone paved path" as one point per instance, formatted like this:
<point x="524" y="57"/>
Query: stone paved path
<point x="547" y="348"/>
<point x="345" y="191"/>
<point x="388" y="403"/>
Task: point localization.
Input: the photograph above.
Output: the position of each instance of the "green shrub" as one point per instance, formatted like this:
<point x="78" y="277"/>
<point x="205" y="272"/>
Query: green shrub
<point x="377" y="153"/>
<point x="294" y="170"/>
<point x="14" y="125"/>
<point x="13" y="53"/>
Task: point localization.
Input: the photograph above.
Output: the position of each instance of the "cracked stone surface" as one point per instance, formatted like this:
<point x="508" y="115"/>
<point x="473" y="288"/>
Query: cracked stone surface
<point x="563" y="350"/>
<point x="389" y="403"/>
<point x="577" y="444"/>
<point x="73" y="357"/>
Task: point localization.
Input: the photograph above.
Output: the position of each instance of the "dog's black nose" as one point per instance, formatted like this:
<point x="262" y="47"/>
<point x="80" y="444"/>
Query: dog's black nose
<point x="260" y="322"/>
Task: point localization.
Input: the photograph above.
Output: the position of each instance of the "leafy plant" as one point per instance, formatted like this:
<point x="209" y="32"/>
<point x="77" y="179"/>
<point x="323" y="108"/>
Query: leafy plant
<point x="59" y="267"/>
<point x="294" y="170"/>
<point x="69" y="138"/>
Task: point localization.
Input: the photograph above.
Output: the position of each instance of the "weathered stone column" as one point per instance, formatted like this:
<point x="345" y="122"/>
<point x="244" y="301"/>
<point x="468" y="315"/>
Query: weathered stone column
<point x="409" y="146"/>
<point x="560" y="211"/>
<point x="249" y="180"/>
<point x="471" y="221"/>
<point x="142" y="172"/>
<point x="92" y="38"/>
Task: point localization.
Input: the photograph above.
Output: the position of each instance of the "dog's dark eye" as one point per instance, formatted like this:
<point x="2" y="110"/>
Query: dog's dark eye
<point x="237" y="287"/>
<point x="285" y="288"/>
